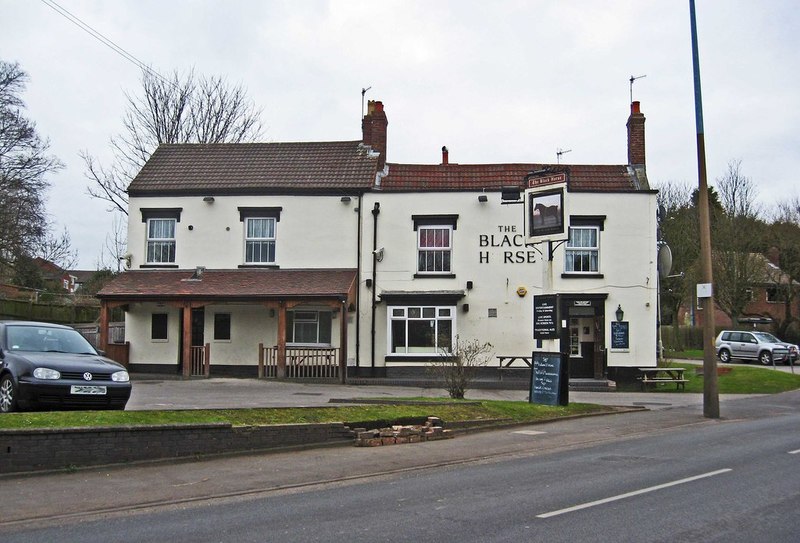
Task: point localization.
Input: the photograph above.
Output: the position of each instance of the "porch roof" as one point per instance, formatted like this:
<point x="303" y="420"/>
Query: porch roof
<point x="230" y="285"/>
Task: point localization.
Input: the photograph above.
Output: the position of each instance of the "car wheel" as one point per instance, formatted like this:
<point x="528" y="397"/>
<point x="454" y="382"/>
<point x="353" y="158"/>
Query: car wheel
<point x="765" y="358"/>
<point x="724" y="356"/>
<point x="8" y="395"/>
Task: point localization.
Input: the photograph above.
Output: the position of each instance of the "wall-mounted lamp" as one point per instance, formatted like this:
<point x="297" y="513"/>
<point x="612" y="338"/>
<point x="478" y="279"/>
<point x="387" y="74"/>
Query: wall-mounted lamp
<point x="619" y="313"/>
<point x="469" y="285"/>
<point x="378" y="254"/>
<point x="465" y="308"/>
<point x="345" y="199"/>
<point x="208" y="199"/>
<point x="483" y="198"/>
<point x="368" y="282"/>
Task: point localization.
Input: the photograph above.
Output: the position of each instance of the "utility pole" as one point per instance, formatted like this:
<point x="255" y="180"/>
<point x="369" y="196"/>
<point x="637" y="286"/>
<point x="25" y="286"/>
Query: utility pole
<point x="705" y="291"/>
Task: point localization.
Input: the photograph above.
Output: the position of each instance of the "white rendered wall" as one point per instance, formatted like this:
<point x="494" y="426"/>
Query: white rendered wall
<point x="313" y="231"/>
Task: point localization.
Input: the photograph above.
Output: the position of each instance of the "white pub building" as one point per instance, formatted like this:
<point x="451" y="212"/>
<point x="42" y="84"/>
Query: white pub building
<point x="323" y="260"/>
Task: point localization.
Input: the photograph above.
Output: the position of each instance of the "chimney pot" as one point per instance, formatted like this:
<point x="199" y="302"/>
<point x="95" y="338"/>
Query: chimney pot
<point x="635" y="108"/>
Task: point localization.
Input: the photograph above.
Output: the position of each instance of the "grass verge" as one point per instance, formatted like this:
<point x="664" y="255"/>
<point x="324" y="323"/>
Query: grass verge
<point x="449" y="411"/>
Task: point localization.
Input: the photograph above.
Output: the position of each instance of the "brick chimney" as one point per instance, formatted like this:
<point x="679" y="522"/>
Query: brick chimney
<point x="373" y="130"/>
<point x="445" y="155"/>
<point x="636" y="155"/>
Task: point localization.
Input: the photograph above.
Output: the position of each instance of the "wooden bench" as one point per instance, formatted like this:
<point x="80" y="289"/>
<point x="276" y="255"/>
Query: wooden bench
<point x="505" y="362"/>
<point x="653" y="376"/>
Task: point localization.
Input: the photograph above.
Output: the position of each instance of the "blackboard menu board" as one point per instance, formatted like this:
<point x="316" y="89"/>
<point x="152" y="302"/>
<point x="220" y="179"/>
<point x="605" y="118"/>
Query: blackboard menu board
<point x="545" y="316"/>
<point x="619" y="335"/>
<point x="546" y="378"/>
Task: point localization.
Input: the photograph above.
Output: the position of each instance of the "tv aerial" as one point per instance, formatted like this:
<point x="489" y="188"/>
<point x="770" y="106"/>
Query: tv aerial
<point x="632" y="79"/>
<point x="561" y="152"/>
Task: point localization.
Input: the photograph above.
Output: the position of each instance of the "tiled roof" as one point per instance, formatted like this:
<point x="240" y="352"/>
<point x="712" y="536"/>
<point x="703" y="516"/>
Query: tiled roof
<point x="451" y="177"/>
<point x="244" y="284"/>
<point x="246" y="168"/>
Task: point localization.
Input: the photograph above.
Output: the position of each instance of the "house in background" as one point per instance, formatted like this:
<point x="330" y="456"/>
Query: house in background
<point x="324" y="259"/>
<point x="768" y="299"/>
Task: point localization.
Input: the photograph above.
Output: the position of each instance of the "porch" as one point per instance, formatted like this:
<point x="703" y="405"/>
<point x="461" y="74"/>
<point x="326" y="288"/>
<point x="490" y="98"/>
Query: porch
<point x="270" y="295"/>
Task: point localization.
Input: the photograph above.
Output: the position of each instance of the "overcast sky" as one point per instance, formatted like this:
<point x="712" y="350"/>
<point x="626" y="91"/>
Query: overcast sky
<point x="494" y="81"/>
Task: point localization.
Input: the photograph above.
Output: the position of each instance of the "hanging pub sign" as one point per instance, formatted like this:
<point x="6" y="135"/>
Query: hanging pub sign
<point x="545" y="316"/>
<point x="546" y="213"/>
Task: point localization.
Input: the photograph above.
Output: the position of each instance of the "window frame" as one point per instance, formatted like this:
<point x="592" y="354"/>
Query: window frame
<point x="426" y="222"/>
<point x="165" y="325"/>
<point x="269" y="241"/>
<point x="446" y="251"/>
<point x="219" y="321"/>
<point x="247" y="213"/>
<point x="292" y="322"/>
<point x="574" y="253"/>
<point x="406" y="317"/>
<point x="169" y="242"/>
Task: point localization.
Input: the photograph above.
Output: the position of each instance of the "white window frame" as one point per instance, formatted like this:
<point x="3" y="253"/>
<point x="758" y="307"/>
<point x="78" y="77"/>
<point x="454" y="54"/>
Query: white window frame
<point x="261" y="240"/>
<point x="409" y="313"/>
<point x="578" y="250"/>
<point x="305" y="320"/>
<point x="437" y="251"/>
<point x="159" y="241"/>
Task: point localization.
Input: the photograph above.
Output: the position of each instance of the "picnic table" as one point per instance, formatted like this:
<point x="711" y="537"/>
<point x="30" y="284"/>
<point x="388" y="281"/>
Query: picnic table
<point x="505" y="362"/>
<point x="653" y="376"/>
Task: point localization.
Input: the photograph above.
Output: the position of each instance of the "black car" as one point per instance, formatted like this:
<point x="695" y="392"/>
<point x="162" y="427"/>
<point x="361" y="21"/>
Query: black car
<point x="49" y="366"/>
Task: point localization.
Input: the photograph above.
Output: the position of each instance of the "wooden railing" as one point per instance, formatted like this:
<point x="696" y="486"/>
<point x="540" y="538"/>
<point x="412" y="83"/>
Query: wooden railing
<point x="201" y="360"/>
<point x="301" y="362"/>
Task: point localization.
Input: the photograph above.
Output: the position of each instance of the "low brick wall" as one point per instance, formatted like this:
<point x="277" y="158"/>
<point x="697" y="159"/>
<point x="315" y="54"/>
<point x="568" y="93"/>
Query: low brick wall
<point x="47" y="449"/>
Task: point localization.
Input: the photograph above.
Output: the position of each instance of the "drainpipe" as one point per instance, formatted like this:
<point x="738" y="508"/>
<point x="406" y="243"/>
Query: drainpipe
<point x="375" y="212"/>
<point x="358" y="289"/>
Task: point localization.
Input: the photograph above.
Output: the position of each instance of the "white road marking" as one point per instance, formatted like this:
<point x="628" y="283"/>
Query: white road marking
<point x="631" y="494"/>
<point x="529" y="432"/>
<point x="795" y="452"/>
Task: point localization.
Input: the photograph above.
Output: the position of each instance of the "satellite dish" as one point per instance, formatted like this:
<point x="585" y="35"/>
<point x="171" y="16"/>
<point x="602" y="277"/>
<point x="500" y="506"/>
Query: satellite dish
<point x="664" y="260"/>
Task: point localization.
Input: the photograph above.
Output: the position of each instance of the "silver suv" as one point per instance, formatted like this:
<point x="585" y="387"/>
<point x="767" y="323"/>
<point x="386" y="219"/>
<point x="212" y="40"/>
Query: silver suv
<point x="760" y="346"/>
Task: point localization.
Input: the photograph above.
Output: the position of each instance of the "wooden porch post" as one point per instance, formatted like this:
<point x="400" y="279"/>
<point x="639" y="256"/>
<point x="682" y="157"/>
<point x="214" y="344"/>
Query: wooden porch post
<point x="187" y="339"/>
<point x="281" y="373"/>
<point x="343" y="342"/>
<point x="103" y="325"/>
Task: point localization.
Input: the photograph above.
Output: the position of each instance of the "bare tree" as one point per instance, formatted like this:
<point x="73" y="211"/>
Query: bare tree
<point x="177" y="109"/>
<point x="459" y="365"/>
<point x="24" y="164"/>
<point x="58" y="250"/>
<point x="678" y="228"/>
<point x="738" y="242"/>
<point x="113" y="253"/>
<point x="784" y="246"/>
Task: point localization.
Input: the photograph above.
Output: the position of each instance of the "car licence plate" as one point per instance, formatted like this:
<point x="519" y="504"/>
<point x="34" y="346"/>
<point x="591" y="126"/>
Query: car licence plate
<point x="87" y="389"/>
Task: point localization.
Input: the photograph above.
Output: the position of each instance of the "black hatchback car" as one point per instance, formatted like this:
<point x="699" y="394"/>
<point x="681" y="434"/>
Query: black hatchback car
<point x="49" y="366"/>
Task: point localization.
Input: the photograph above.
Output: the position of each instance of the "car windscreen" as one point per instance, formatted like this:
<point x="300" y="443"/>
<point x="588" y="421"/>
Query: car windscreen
<point x="43" y="339"/>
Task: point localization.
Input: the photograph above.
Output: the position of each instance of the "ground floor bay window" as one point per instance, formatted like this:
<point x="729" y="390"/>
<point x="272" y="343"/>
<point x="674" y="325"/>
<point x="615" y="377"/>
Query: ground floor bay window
<point x="421" y="330"/>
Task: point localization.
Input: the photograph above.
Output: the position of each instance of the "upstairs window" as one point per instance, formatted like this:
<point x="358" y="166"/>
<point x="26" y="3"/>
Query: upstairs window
<point x="161" y="241"/>
<point x="161" y="224"/>
<point x="583" y="250"/>
<point x="434" y="244"/>
<point x="260" y="224"/>
<point x="434" y="249"/>
<point x="259" y="240"/>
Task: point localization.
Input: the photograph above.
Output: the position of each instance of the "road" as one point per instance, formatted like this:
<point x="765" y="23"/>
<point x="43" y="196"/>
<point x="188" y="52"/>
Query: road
<point x="666" y="475"/>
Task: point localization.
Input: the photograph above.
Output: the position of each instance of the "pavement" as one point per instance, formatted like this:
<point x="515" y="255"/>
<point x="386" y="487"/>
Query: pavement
<point x="223" y="393"/>
<point x="93" y="493"/>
